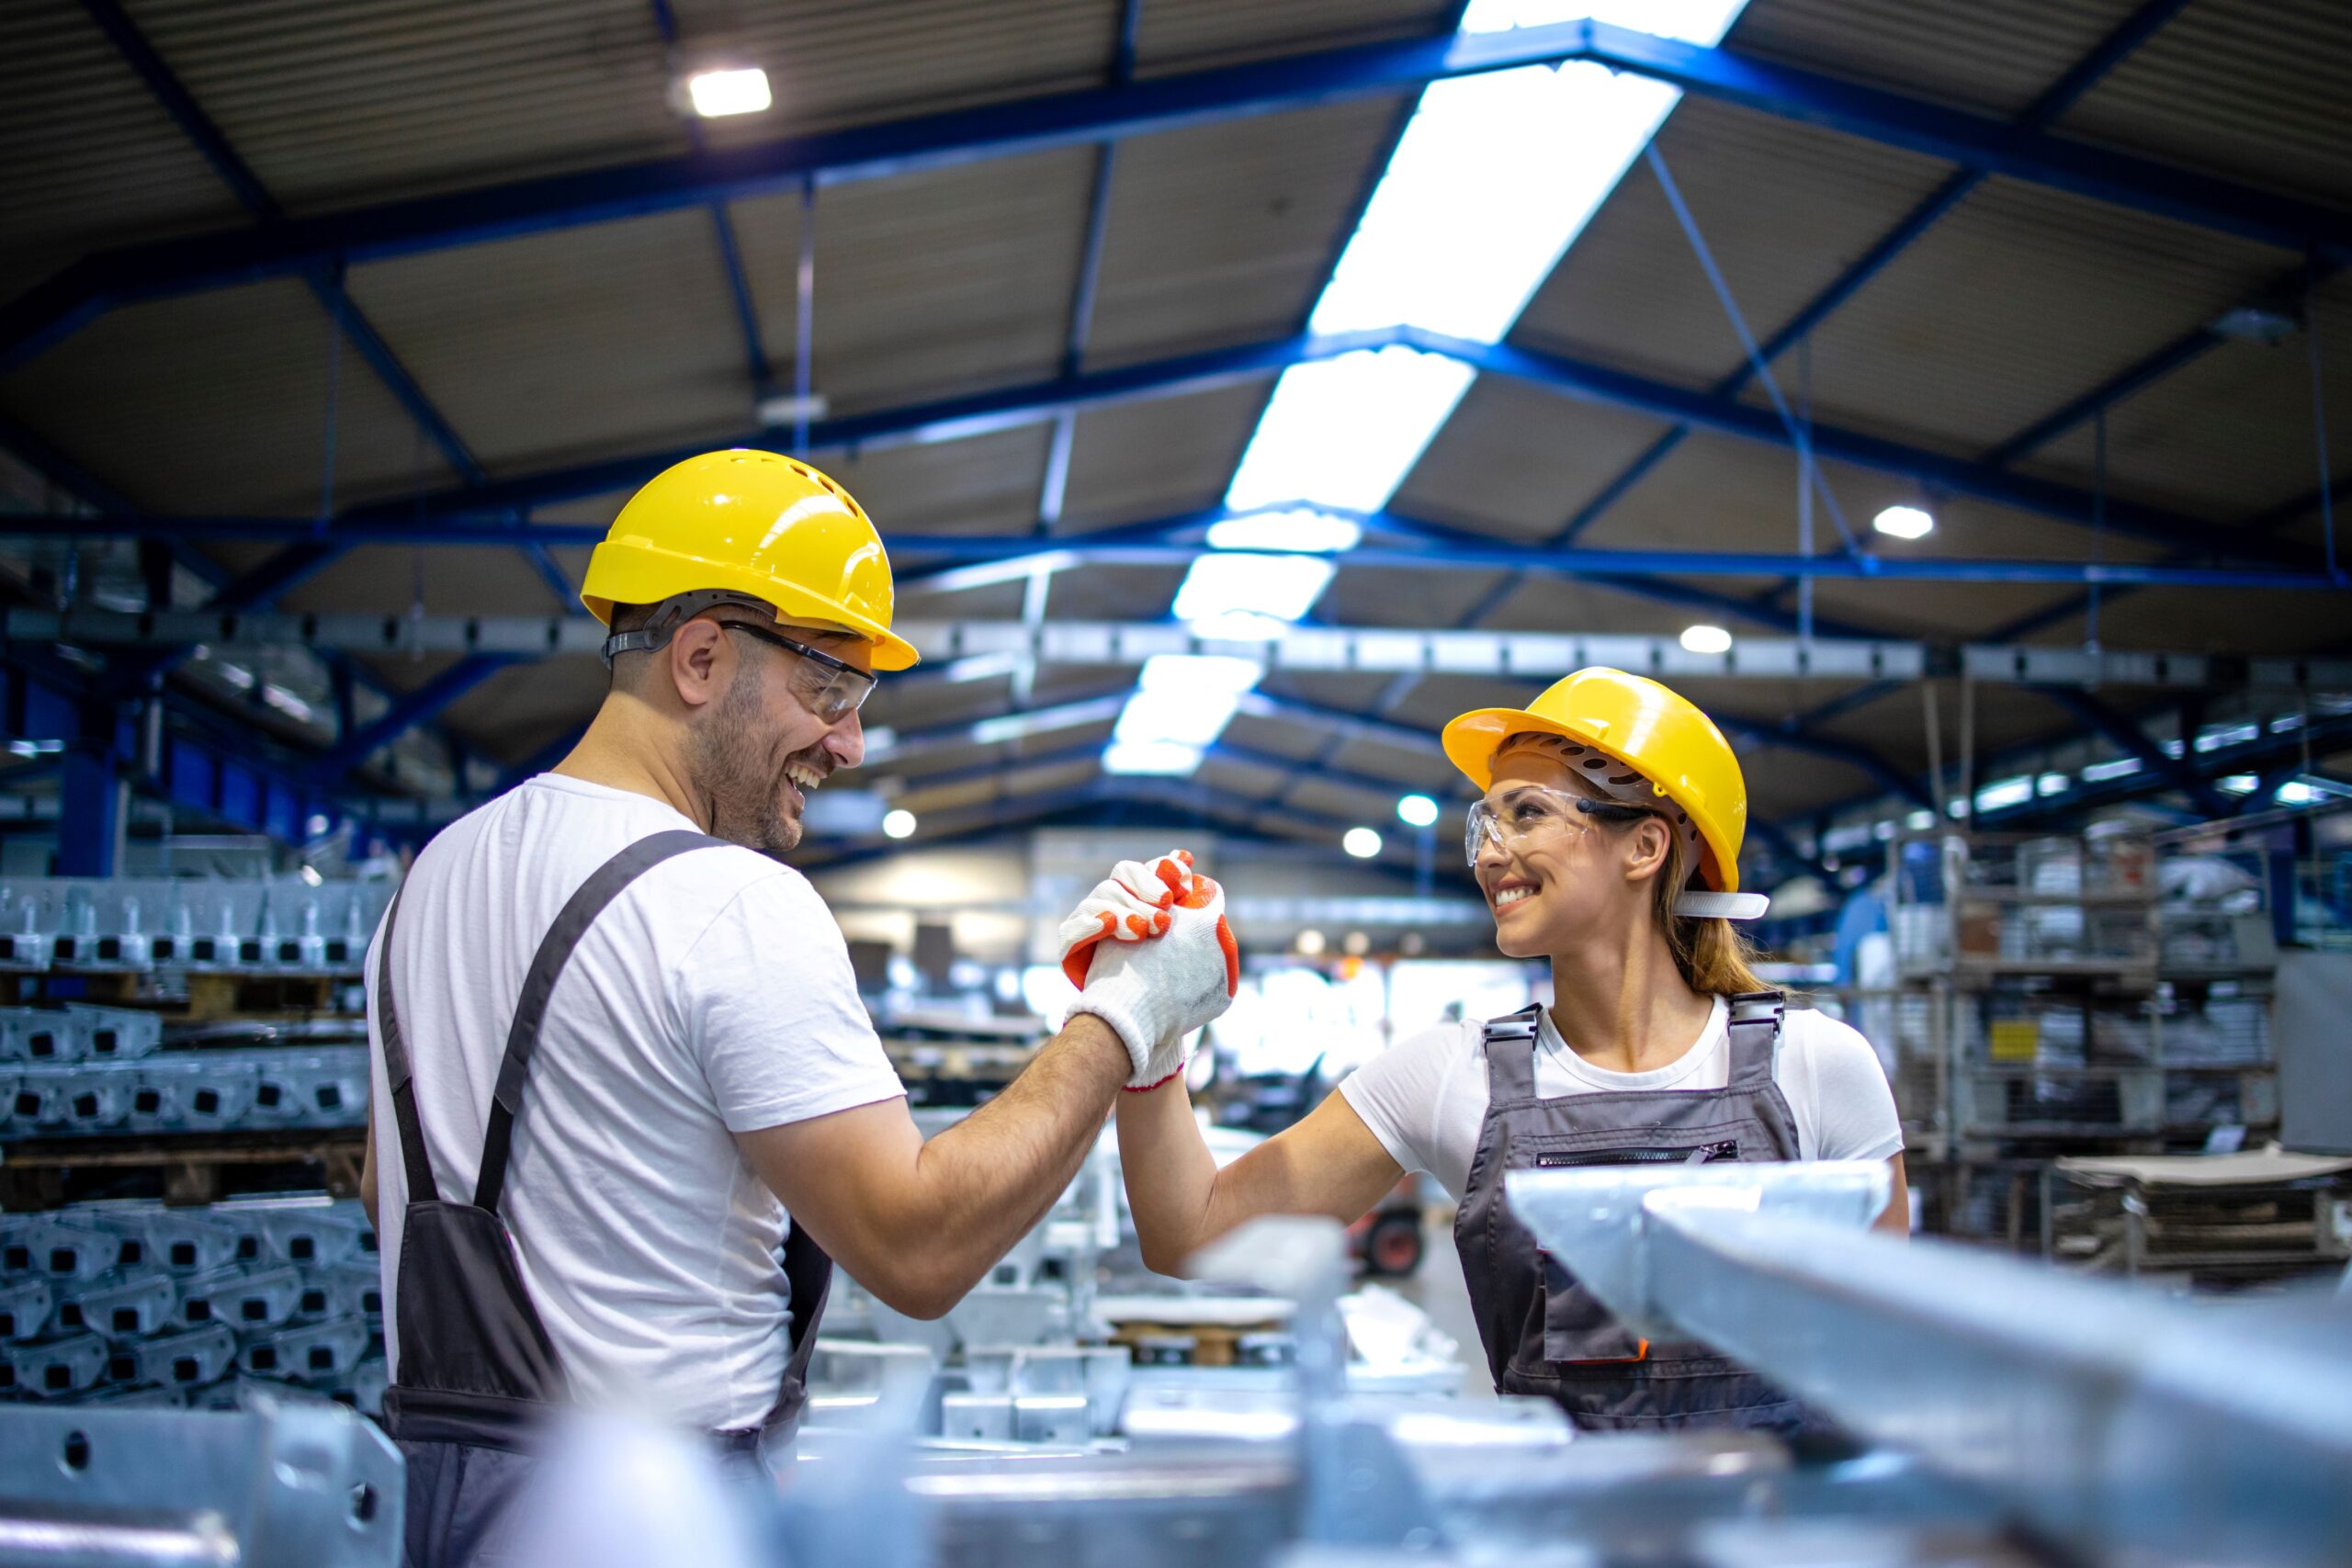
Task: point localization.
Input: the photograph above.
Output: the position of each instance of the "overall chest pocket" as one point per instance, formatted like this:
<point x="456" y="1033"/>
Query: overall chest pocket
<point x="1578" y="1330"/>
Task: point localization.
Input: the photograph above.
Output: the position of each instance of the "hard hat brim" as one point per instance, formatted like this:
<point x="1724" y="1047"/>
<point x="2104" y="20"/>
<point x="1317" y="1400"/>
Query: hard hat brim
<point x="1472" y="740"/>
<point x="664" y="573"/>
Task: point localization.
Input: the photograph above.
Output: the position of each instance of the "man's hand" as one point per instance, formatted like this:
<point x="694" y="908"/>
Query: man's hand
<point x="1155" y="967"/>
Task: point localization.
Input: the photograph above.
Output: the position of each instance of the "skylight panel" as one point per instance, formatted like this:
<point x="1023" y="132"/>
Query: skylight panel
<point x="1250" y="595"/>
<point x="1345" y="432"/>
<point x="1296" y="528"/>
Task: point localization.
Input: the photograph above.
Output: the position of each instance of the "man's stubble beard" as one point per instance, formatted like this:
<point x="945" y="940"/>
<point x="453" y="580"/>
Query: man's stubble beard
<point x="739" y="772"/>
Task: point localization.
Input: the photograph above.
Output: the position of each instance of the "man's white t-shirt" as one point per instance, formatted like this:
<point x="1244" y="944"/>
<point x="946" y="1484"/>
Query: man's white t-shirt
<point x="1425" y="1097"/>
<point x="714" y="996"/>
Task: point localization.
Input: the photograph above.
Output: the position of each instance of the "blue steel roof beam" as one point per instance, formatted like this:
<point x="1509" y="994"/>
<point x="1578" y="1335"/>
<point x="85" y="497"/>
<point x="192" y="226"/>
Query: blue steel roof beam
<point x="1161" y="103"/>
<point x="2127" y="735"/>
<point x="947" y="562"/>
<point x="2045" y="110"/>
<point x="54" y="466"/>
<point x="408" y="711"/>
<point x="1011" y="407"/>
<point x="1054" y="489"/>
<point x="730" y="253"/>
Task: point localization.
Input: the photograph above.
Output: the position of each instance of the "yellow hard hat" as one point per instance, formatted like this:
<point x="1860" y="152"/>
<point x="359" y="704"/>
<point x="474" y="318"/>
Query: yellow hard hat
<point x="757" y="524"/>
<point x="1653" y="730"/>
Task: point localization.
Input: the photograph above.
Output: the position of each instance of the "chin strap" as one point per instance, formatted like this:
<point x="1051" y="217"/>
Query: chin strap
<point x="1722" y="906"/>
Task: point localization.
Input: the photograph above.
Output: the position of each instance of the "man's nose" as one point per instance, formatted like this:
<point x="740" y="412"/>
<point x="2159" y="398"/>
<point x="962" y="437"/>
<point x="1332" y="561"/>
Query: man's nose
<point x="846" y="741"/>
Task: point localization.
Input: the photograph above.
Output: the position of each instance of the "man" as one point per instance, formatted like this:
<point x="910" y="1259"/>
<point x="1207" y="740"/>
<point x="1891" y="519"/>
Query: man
<point x="603" y="1009"/>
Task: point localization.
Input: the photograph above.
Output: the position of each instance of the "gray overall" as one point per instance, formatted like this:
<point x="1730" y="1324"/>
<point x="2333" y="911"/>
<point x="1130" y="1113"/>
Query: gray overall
<point x="1544" y="1333"/>
<point x="477" y="1376"/>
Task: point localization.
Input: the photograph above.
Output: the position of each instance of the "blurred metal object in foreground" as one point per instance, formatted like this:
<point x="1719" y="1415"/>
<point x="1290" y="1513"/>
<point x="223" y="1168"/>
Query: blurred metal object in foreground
<point x="283" y="1485"/>
<point x="2123" y="1427"/>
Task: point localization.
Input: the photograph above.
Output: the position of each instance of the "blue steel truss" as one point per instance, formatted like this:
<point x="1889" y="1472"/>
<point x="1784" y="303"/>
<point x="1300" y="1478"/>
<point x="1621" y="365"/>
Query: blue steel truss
<point x="1973" y="141"/>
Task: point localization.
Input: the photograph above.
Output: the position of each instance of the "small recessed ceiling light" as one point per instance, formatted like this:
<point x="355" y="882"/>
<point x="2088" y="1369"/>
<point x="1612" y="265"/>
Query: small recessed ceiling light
<point x="715" y="93"/>
<point x="1905" y="523"/>
<point x="1360" y="842"/>
<point x="1705" y="639"/>
<point x="1310" y="941"/>
<point x="1416" y="810"/>
<point x="899" y="824"/>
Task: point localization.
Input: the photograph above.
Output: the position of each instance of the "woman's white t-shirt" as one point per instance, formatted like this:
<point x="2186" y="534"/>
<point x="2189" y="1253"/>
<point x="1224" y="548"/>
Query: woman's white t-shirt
<point x="1425" y="1097"/>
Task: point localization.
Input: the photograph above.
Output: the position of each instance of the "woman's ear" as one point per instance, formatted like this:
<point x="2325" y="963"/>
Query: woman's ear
<point x="1648" y="848"/>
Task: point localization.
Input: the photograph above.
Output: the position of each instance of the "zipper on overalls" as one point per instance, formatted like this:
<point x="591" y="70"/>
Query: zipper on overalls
<point x="1703" y="1153"/>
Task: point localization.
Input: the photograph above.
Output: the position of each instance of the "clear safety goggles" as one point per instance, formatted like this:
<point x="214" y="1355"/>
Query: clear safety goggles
<point x="1532" y="811"/>
<point x="831" y="688"/>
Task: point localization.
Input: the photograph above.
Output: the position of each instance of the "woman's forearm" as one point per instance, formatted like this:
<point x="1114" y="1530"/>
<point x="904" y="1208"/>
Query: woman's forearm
<point x="1328" y="1163"/>
<point x="1170" y="1174"/>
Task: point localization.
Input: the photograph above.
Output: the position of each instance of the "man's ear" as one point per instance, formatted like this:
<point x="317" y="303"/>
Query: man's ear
<point x="699" y="661"/>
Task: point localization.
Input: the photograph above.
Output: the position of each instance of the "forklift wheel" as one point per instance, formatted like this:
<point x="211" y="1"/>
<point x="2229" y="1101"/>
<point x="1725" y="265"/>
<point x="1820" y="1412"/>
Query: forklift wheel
<point x="1391" y="1249"/>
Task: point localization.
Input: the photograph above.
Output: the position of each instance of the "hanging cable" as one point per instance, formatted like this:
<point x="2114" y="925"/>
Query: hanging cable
<point x="2099" y="525"/>
<point x="2319" y="422"/>
<point x="334" y="389"/>
<point x="1800" y="434"/>
<point x="804" y="319"/>
<point x="1804" y="485"/>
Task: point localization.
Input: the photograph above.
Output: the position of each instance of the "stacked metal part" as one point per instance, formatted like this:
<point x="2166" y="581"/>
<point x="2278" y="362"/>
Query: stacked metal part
<point x="133" y="1303"/>
<point x="93" y="1070"/>
<point x="276" y="926"/>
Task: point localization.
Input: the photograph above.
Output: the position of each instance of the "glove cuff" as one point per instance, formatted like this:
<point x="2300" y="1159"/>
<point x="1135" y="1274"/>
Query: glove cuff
<point x="1123" y="1023"/>
<point x="1148" y="1087"/>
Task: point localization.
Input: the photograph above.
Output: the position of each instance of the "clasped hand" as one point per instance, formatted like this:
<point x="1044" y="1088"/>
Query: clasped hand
<point x="1152" y="956"/>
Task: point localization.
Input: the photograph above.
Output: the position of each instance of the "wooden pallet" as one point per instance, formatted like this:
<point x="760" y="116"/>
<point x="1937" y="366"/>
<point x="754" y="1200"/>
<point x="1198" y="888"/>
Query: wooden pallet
<point x="194" y="1168"/>
<point x="1214" y="1344"/>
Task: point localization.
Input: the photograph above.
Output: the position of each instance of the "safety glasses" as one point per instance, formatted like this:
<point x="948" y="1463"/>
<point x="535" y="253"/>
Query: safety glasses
<point x="831" y="689"/>
<point x="1530" y="811"/>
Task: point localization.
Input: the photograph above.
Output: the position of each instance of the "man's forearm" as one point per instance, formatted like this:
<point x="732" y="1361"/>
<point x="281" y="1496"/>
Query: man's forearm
<point x="990" y="1178"/>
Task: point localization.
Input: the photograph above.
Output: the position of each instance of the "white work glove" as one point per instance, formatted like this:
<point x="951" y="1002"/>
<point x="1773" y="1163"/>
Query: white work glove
<point x="1156" y="964"/>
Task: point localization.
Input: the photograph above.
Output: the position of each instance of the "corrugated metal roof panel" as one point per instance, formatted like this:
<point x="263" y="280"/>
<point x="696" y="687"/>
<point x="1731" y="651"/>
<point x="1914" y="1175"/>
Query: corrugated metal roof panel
<point x="1183" y="35"/>
<point x="562" y="348"/>
<point x="1226" y="233"/>
<point x="1131" y="461"/>
<point x="91" y="159"/>
<point x="217" y="403"/>
<point x="926" y="284"/>
<point x="984" y="484"/>
<point x="2259" y="90"/>
<point x="1785" y="208"/>
<point x="1518" y="461"/>
<point x="2232" y="434"/>
<point x="2014" y="305"/>
<point x="1992" y="55"/>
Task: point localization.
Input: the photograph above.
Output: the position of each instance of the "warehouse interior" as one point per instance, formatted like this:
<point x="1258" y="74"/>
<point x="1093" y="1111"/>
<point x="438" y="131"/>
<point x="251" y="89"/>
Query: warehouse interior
<point x="1952" y="398"/>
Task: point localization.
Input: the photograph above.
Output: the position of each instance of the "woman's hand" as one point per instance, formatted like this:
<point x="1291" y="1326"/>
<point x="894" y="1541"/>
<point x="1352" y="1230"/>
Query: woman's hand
<point x="1153" y="957"/>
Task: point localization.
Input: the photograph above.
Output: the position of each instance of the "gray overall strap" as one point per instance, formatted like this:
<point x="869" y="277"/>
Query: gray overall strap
<point x="1510" y="1044"/>
<point x="422" y="1187"/>
<point x="547" y="965"/>
<point x="1754" y="1031"/>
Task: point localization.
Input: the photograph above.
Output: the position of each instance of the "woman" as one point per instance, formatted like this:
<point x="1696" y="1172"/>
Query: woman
<point x="1607" y="841"/>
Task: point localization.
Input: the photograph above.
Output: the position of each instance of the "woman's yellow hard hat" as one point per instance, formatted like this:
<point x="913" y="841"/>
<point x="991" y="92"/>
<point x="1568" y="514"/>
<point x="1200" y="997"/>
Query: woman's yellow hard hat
<point x="753" y="523"/>
<point x="1652" y="730"/>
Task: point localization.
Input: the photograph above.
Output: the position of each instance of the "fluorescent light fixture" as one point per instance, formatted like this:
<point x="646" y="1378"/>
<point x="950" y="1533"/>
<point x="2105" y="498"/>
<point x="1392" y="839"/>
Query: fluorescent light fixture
<point x="1166" y="759"/>
<point x="1182" y="703"/>
<point x="1703" y="639"/>
<point x="1281" y="588"/>
<point x="2241" y="784"/>
<point x="2004" y="793"/>
<point x="1360" y="842"/>
<point x="1920" y="821"/>
<point x="1416" y="810"/>
<point x="1296" y="528"/>
<point x="2296" y="792"/>
<point x="789" y="408"/>
<point x="899" y="824"/>
<point x="311" y="874"/>
<point x="1344" y="432"/>
<point x="1905" y="523"/>
<point x="717" y="93"/>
